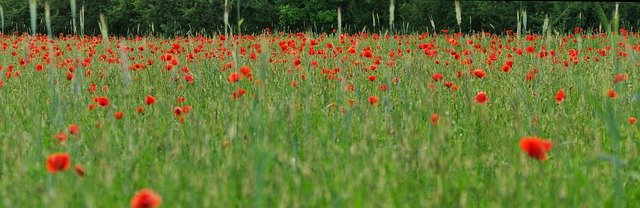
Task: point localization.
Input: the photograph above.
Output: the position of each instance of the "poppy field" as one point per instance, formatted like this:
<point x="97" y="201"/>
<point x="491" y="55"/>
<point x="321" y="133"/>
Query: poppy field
<point x="316" y="120"/>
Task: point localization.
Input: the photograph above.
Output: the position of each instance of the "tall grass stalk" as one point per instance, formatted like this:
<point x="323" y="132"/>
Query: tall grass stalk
<point x="33" y="14"/>
<point x="47" y="17"/>
<point x="373" y="18"/>
<point x="104" y="31"/>
<point x="240" y="20"/>
<point x="82" y="20"/>
<point x="458" y="14"/>
<point x="392" y="11"/>
<point x="524" y="21"/>
<point x="519" y="26"/>
<point x="340" y="20"/>
<point x="615" y="20"/>
<point x="72" y="3"/>
<point x="1" y="19"/>
<point x="433" y="24"/>
<point x="226" y="18"/>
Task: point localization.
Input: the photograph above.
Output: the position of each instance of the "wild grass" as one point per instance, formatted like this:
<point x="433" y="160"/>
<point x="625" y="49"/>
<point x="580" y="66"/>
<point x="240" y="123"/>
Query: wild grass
<point x="305" y="146"/>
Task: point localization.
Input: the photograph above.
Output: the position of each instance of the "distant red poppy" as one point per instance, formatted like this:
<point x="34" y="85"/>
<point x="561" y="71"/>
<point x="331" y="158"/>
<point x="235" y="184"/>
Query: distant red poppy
<point x="479" y="73"/>
<point x="118" y="115"/>
<point x="372" y="78"/>
<point x="612" y="94"/>
<point x="39" y="67"/>
<point x="188" y="78"/>
<point x="350" y="87"/>
<point x="448" y="84"/>
<point x="234" y="77"/>
<point x="505" y="68"/>
<point x="79" y="170"/>
<point x="245" y="70"/>
<point x="186" y="108"/>
<point x="434" y="119"/>
<point x="383" y="87"/>
<point x="536" y="147"/>
<point x="62" y="137"/>
<point x="91" y="106"/>
<point x="146" y="198"/>
<point x="373" y="100"/>
<point x="177" y="111"/>
<point x="620" y="77"/>
<point x="530" y="49"/>
<point x="437" y="77"/>
<point x="481" y="97"/>
<point x="74" y="129"/>
<point x="58" y="162"/>
<point x="560" y="96"/>
<point x="238" y="93"/>
<point x="632" y="120"/>
<point x="102" y="101"/>
<point x="150" y="100"/>
<point x="92" y="87"/>
<point x="181" y="99"/>
<point x="139" y="109"/>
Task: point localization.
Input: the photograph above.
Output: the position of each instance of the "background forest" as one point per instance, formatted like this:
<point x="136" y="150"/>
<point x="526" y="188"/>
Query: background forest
<point x="179" y="17"/>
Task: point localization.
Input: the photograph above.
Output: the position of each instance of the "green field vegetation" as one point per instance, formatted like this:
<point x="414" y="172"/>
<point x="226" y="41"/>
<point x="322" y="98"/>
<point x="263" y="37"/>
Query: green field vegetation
<point x="294" y="140"/>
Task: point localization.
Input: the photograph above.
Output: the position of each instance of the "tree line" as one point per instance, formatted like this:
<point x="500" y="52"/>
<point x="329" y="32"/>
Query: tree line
<point x="181" y="17"/>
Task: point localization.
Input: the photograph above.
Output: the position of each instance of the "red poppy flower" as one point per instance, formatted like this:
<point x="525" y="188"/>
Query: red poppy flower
<point x="372" y="78"/>
<point x="481" y="98"/>
<point x="177" y="111"/>
<point x="434" y="119"/>
<point x="505" y="68"/>
<point x="140" y="109"/>
<point x="238" y="93"/>
<point x="234" y="77"/>
<point x="186" y="108"/>
<point x="146" y="198"/>
<point x="39" y="67"/>
<point x="150" y="100"/>
<point x="188" y="78"/>
<point x="373" y="100"/>
<point x="632" y="120"/>
<point x="181" y="99"/>
<point x="74" y="129"/>
<point x="560" y="96"/>
<point x="383" y="87"/>
<point x="245" y="70"/>
<point x="479" y="73"/>
<point x="530" y="49"/>
<point x="350" y="87"/>
<point x="92" y="88"/>
<point x="536" y="147"/>
<point x="437" y="77"/>
<point x="62" y="137"/>
<point x="118" y="115"/>
<point x="612" y="94"/>
<point x="58" y="162"/>
<point x="619" y="78"/>
<point x="91" y="106"/>
<point x="102" y="101"/>
<point x="79" y="170"/>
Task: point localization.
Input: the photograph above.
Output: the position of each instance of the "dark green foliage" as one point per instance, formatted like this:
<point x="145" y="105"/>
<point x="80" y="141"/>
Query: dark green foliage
<point x="180" y="17"/>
